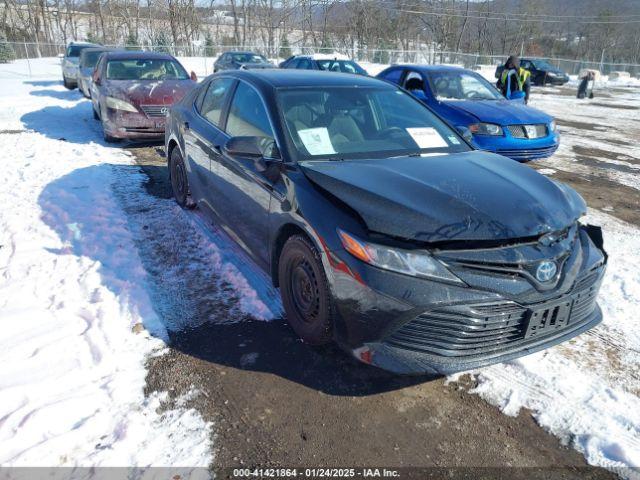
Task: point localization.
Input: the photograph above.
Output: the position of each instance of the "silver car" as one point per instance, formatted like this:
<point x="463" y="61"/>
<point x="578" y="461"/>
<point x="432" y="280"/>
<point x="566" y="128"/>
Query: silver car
<point x="70" y="63"/>
<point x="88" y="60"/>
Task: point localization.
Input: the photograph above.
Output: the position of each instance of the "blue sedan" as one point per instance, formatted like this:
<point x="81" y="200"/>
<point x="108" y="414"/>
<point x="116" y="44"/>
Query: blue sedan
<point x="474" y="106"/>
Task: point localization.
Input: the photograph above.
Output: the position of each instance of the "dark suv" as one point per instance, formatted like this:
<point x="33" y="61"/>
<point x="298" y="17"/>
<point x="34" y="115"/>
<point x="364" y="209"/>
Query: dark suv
<point x="542" y="72"/>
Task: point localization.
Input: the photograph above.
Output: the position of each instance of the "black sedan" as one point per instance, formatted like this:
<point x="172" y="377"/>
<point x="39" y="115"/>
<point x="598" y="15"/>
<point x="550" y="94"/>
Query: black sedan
<point x="385" y="231"/>
<point x="542" y="72"/>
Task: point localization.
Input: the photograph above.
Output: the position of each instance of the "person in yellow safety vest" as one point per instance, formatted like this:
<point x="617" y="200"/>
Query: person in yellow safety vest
<point x="514" y="78"/>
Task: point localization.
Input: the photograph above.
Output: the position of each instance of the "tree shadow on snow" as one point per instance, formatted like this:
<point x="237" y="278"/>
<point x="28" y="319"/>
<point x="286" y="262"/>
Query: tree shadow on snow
<point x="194" y="281"/>
<point x="74" y="124"/>
<point x="43" y="83"/>
<point x="70" y="95"/>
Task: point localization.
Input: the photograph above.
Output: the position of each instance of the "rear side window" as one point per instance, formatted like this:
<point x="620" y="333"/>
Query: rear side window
<point x="213" y="102"/>
<point x="392" y="76"/>
<point x="305" y="64"/>
<point x="247" y="115"/>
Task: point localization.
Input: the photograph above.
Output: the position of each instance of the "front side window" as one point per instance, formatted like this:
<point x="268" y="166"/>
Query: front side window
<point x="145" y="69"/>
<point x="247" y="115"/>
<point x="364" y="122"/>
<point x="462" y="86"/>
<point x="344" y="66"/>
<point x="393" y="75"/>
<point x="214" y="98"/>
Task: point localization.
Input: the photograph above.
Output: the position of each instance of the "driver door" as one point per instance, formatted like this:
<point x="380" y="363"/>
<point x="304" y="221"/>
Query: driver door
<point x="244" y="193"/>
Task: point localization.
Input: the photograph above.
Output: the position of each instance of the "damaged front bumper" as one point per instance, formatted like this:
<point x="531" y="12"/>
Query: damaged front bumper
<point x="410" y="325"/>
<point x="133" y="125"/>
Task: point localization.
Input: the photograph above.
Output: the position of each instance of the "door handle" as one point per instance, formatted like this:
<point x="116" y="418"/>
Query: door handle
<point x="186" y="125"/>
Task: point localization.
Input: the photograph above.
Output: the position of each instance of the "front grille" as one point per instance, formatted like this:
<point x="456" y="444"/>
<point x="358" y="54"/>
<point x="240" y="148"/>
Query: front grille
<point x="528" y="153"/>
<point x="520" y="131"/>
<point x="155" y="111"/>
<point x="461" y="331"/>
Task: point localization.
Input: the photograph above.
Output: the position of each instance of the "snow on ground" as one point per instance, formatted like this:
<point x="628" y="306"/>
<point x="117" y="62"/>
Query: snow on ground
<point x="82" y="305"/>
<point x="587" y="391"/>
<point x="87" y="256"/>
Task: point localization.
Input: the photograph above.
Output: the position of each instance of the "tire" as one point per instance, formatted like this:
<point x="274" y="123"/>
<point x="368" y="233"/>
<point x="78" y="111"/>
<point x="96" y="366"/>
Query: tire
<point x="305" y="291"/>
<point x="179" y="180"/>
<point x="67" y="84"/>
<point x="110" y="139"/>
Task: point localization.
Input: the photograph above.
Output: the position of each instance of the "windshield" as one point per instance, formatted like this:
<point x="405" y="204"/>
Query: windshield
<point x="74" y="50"/>
<point x="345" y="66"/>
<point x="248" y="58"/>
<point x="147" y="69"/>
<point x="462" y="86"/>
<point x="90" y="58"/>
<point x="542" y="65"/>
<point x="363" y="122"/>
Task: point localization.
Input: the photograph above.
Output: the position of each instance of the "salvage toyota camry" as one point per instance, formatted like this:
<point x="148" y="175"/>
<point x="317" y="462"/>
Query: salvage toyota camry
<point x="384" y="230"/>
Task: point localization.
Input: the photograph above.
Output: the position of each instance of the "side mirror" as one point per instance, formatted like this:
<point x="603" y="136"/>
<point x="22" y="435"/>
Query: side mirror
<point x="517" y="96"/>
<point x="261" y="149"/>
<point x="61" y="55"/>
<point x="466" y="133"/>
<point x="193" y="76"/>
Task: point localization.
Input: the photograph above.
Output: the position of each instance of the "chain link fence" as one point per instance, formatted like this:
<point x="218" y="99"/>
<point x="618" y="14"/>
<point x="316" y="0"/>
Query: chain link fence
<point x="25" y="59"/>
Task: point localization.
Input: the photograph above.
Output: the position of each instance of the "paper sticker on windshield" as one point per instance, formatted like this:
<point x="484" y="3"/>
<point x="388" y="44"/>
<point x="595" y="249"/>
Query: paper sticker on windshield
<point x="316" y="141"/>
<point x="427" y="137"/>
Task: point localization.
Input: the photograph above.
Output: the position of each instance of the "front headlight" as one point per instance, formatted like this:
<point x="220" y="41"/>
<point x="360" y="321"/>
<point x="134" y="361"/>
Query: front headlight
<point x="553" y="126"/>
<point x="407" y="262"/>
<point x="117" y="104"/>
<point x="486" y="129"/>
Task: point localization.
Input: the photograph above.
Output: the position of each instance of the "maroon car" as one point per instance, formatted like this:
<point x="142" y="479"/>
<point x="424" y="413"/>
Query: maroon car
<point x="133" y="91"/>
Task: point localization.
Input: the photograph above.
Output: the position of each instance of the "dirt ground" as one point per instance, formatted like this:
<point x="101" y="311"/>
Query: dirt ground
<point x="276" y="402"/>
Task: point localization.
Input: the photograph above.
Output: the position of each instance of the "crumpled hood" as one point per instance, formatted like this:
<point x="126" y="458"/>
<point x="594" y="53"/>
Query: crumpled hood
<point x="164" y="92"/>
<point x="465" y="196"/>
<point x="501" y="112"/>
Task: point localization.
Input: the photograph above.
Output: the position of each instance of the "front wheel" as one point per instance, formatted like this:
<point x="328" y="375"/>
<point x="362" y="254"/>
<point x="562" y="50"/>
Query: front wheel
<point x="305" y="291"/>
<point x="179" y="180"/>
<point x="67" y="84"/>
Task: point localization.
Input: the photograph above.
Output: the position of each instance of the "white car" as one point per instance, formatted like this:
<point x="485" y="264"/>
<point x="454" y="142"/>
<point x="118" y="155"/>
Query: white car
<point x="70" y="63"/>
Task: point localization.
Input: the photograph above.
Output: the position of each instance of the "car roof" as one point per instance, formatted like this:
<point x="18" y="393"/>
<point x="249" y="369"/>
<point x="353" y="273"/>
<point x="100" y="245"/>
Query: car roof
<point x="241" y="52"/>
<point x="433" y="68"/>
<point x="137" y="55"/>
<point x="282" y="78"/>
<point x="97" y="49"/>
<point x="324" y="56"/>
<point x="80" y="44"/>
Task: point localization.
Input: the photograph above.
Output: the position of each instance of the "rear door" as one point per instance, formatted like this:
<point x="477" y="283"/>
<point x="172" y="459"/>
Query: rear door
<point x="203" y="137"/>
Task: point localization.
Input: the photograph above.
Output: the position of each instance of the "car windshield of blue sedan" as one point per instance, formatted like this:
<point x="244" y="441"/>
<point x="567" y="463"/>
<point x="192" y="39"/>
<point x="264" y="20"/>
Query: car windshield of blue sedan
<point x="344" y="66"/>
<point x="366" y="122"/>
<point x="462" y="86"/>
<point x="147" y="69"/>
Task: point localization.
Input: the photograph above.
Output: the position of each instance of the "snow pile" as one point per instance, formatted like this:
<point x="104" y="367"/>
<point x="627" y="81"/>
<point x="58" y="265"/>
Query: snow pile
<point x="587" y="391"/>
<point x="77" y="318"/>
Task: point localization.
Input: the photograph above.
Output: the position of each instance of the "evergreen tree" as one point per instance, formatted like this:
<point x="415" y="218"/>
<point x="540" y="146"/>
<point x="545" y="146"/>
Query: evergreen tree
<point x="209" y="50"/>
<point x="161" y="43"/>
<point x="285" y="48"/>
<point x="6" y="50"/>
<point x="132" y="42"/>
<point x="381" y="54"/>
<point x="92" y="37"/>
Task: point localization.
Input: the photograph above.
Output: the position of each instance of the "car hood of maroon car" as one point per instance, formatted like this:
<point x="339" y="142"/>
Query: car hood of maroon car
<point x="146" y="92"/>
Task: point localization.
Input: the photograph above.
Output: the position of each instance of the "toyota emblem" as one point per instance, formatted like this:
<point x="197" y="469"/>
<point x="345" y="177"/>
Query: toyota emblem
<point x="546" y="271"/>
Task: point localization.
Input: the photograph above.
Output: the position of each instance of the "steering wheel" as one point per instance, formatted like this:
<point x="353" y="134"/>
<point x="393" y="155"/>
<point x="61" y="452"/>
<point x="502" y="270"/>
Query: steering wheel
<point x="473" y="94"/>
